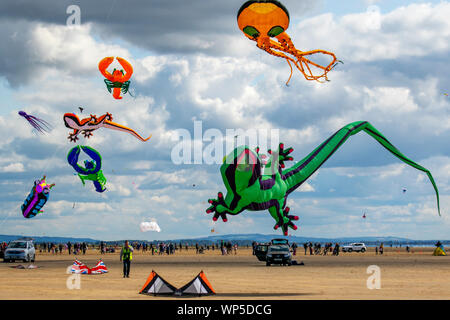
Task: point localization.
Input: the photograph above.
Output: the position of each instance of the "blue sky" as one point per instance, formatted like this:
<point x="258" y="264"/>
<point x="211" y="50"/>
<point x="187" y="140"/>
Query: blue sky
<point x="191" y="62"/>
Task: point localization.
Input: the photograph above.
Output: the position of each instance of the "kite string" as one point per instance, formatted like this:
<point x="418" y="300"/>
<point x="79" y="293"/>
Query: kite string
<point x="110" y="10"/>
<point x="9" y="214"/>
<point x="48" y="162"/>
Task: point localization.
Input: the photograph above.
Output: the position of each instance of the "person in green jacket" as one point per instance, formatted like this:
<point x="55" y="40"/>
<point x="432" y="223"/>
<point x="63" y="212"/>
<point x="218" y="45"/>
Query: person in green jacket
<point x="126" y="255"/>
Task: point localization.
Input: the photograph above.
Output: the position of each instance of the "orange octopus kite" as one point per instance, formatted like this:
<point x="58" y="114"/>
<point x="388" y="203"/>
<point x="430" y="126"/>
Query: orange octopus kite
<point x="118" y="80"/>
<point x="261" y="20"/>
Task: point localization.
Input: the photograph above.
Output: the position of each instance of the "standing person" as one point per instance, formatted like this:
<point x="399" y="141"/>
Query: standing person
<point x="305" y="246"/>
<point x="126" y="255"/>
<point x="336" y="247"/>
<point x="153" y="248"/>
<point x="60" y="248"/>
<point x="381" y="248"/>
<point x="376" y="250"/>
<point x="294" y="248"/>
<point x="69" y="247"/>
<point x="84" y="247"/>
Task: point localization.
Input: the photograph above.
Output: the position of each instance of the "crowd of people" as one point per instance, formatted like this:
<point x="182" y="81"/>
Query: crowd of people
<point x="55" y="248"/>
<point x="318" y="249"/>
<point x="160" y="248"/>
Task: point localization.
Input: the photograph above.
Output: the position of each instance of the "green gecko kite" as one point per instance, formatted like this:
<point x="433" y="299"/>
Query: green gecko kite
<point x="252" y="185"/>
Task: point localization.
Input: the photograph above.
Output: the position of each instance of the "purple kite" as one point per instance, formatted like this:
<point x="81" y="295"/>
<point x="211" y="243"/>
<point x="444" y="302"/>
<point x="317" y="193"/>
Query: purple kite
<point x="38" y="124"/>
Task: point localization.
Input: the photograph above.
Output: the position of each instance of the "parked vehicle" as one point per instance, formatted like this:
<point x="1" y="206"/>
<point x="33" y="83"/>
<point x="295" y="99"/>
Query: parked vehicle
<point x="357" y="247"/>
<point x="280" y="241"/>
<point x="20" y="250"/>
<point x="261" y="251"/>
<point x="278" y="254"/>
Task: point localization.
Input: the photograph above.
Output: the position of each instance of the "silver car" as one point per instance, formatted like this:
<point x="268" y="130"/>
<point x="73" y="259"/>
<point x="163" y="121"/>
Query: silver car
<point x="20" y="250"/>
<point x="357" y="247"/>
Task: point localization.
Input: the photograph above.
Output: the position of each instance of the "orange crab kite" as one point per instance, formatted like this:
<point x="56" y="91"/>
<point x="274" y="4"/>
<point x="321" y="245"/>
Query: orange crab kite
<point x="118" y="81"/>
<point x="261" y="20"/>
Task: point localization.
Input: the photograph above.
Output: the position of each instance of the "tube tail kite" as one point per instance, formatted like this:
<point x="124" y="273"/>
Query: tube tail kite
<point x="37" y="198"/>
<point x="249" y="188"/>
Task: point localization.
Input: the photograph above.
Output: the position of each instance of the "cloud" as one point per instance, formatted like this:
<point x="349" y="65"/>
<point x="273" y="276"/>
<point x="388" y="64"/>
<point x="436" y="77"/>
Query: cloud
<point x="14" y="167"/>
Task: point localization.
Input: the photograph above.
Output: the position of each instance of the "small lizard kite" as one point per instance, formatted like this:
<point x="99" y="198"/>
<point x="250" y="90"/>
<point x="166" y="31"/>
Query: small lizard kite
<point x="87" y="125"/>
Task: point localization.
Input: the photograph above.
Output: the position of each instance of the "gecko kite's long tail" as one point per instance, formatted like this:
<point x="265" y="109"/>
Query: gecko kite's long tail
<point x="116" y="126"/>
<point x="302" y="170"/>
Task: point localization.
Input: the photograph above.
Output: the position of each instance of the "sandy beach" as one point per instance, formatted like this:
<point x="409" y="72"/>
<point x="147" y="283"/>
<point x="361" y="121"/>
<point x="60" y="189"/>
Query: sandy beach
<point x="417" y="275"/>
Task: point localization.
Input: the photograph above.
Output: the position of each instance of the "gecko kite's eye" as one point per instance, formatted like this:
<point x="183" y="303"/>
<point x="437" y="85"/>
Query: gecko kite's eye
<point x="275" y="31"/>
<point x="251" y="31"/>
<point x="46" y="190"/>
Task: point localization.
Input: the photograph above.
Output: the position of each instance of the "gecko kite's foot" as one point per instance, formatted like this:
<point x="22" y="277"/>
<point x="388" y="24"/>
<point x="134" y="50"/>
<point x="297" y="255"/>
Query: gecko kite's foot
<point x="283" y="154"/>
<point x="87" y="134"/>
<point x="213" y="208"/>
<point x="72" y="137"/>
<point x="93" y="119"/>
<point x="287" y="222"/>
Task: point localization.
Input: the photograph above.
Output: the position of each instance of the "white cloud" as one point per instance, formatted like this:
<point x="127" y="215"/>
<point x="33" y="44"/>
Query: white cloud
<point x="414" y="30"/>
<point x="14" y="167"/>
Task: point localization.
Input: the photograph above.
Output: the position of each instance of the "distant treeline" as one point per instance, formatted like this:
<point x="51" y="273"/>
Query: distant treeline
<point x="249" y="239"/>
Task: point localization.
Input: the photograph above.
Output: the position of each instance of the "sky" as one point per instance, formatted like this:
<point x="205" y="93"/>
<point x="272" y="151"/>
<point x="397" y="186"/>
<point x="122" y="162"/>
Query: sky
<point x="191" y="65"/>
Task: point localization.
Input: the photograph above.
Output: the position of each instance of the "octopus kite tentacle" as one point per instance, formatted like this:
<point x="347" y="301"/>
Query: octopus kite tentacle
<point x="39" y="124"/>
<point x="250" y="189"/>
